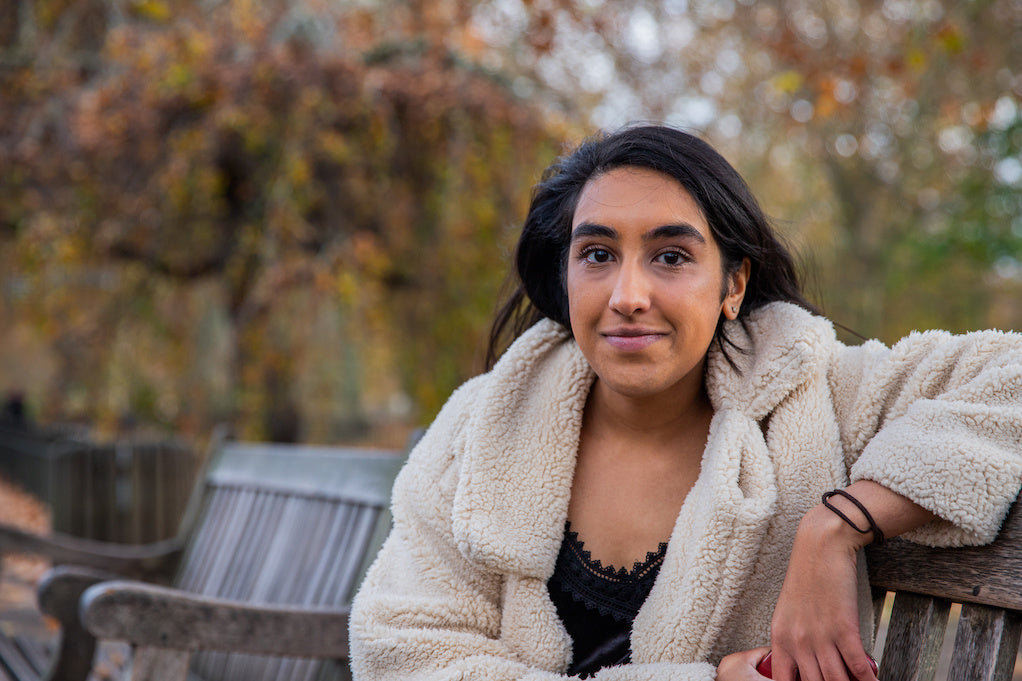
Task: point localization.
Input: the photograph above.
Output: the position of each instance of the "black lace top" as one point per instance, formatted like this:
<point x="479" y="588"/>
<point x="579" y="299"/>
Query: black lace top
<point x="598" y="604"/>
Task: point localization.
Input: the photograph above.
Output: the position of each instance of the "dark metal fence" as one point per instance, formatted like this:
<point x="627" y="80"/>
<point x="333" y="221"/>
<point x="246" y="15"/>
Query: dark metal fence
<point x="127" y="492"/>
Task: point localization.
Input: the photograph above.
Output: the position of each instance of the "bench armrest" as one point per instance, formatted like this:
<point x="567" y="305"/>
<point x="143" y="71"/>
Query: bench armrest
<point x="59" y="592"/>
<point x="124" y="559"/>
<point x="162" y="617"/>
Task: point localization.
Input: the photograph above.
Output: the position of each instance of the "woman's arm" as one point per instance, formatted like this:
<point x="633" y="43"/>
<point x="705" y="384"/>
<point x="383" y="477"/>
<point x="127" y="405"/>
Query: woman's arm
<point x="937" y="418"/>
<point x="816" y="622"/>
<point x="931" y="428"/>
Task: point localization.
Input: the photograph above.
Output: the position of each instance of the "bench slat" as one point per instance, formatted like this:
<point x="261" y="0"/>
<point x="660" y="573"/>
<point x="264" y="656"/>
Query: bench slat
<point x="17" y="666"/>
<point x="320" y="552"/>
<point x="160" y="664"/>
<point x="308" y="471"/>
<point x="211" y="530"/>
<point x="912" y="648"/>
<point x="219" y="555"/>
<point x="988" y="575"/>
<point x="986" y="643"/>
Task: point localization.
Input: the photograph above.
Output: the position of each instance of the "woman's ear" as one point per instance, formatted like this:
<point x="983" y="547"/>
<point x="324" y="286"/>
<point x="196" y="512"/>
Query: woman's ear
<point x="736" y="289"/>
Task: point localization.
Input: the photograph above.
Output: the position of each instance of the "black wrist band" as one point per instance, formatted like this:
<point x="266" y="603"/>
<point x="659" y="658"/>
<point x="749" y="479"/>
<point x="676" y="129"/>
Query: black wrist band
<point x="878" y="535"/>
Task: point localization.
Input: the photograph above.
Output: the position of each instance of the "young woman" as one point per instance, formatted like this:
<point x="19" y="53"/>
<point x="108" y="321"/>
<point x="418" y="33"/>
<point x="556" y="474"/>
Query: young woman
<point x="634" y="490"/>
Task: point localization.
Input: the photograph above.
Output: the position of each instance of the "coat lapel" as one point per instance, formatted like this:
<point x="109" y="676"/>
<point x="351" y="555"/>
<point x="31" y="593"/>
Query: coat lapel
<point x="522" y="441"/>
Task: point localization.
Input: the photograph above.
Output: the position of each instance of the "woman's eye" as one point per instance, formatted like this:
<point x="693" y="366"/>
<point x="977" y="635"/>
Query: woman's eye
<point x="597" y="256"/>
<point x="671" y="258"/>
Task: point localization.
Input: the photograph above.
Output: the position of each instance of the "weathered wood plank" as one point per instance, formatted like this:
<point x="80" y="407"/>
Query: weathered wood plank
<point x="36" y="652"/>
<point x="158" y="616"/>
<point x="309" y="470"/>
<point x="988" y="575"/>
<point x="156" y="664"/>
<point x="986" y="644"/>
<point x="912" y="648"/>
<point x="59" y="593"/>
<point x="14" y="663"/>
<point x="121" y="558"/>
<point x="879" y="600"/>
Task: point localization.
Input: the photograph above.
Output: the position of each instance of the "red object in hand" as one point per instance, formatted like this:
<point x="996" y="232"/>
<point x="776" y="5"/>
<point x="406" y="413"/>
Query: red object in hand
<point x="765" y="667"/>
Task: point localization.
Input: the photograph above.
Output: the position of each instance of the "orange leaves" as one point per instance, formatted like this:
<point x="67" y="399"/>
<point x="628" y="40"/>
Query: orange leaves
<point x="541" y="33"/>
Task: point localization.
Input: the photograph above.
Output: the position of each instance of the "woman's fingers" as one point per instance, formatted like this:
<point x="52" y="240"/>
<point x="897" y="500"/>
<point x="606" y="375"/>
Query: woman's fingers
<point x="823" y="665"/>
<point x="860" y="666"/>
<point x="741" y="666"/>
<point x="782" y="666"/>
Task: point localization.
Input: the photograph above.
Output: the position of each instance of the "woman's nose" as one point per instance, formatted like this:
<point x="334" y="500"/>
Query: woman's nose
<point x="631" y="292"/>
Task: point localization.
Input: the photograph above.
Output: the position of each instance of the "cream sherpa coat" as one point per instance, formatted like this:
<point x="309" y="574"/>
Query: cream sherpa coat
<point x="459" y="589"/>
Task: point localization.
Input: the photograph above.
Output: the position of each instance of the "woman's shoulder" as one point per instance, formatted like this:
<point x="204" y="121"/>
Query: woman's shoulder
<point x="487" y="412"/>
<point x="963" y="349"/>
<point x="782" y="327"/>
<point x="772" y="352"/>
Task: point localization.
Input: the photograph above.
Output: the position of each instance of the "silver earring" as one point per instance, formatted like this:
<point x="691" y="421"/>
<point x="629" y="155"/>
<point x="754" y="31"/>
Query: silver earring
<point x="734" y="310"/>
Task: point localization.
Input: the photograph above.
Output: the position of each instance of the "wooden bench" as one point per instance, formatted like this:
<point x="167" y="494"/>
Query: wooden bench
<point x="985" y="581"/>
<point x="131" y="491"/>
<point x="926" y="582"/>
<point x="284" y="533"/>
<point x="274" y="543"/>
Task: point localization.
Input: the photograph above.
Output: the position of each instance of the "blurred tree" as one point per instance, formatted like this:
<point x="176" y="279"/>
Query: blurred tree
<point x="900" y="104"/>
<point x="298" y="160"/>
<point x="887" y="130"/>
<point x="290" y="212"/>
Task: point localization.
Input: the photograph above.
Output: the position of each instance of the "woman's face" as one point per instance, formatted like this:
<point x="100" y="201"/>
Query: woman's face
<point x="644" y="281"/>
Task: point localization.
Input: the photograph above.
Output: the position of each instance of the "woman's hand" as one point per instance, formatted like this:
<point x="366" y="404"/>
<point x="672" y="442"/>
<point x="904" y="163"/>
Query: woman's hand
<point x="815" y="627"/>
<point x="742" y="666"/>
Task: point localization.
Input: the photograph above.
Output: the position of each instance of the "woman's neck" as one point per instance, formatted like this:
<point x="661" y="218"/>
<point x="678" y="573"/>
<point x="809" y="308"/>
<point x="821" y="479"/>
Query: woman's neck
<point x="648" y="418"/>
<point x="637" y="461"/>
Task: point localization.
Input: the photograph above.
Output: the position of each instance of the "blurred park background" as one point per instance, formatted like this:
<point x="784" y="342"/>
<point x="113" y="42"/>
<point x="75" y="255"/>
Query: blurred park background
<point x="296" y="216"/>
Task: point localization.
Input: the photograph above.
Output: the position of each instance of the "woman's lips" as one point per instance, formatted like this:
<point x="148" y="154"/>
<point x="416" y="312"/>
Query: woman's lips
<point x="632" y="342"/>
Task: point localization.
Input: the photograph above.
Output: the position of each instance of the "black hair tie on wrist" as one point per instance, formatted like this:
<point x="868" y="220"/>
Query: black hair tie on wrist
<point x="878" y="535"/>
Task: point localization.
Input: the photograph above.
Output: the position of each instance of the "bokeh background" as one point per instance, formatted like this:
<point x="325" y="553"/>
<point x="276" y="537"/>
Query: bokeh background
<point x="296" y="216"/>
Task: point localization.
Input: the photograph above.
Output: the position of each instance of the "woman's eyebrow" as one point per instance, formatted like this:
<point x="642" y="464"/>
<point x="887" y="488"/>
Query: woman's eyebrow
<point x="589" y="229"/>
<point x="683" y="230"/>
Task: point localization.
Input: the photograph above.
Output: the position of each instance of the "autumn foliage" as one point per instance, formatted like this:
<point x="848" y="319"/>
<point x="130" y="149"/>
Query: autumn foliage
<point x="212" y="221"/>
<point x="295" y="216"/>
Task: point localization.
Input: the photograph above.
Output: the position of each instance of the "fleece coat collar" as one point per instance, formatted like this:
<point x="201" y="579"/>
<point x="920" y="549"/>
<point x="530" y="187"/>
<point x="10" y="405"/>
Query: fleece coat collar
<point x="725" y="518"/>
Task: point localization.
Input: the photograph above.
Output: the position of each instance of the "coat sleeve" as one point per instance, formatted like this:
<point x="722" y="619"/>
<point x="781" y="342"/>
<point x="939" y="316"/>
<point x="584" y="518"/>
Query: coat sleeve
<point x="424" y="611"/>
<point x="938" y="419"/>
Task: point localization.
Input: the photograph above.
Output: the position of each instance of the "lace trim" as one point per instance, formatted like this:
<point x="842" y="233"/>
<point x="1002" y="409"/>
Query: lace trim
<point x="613" y="592"/>
<point x="639" y="568"/>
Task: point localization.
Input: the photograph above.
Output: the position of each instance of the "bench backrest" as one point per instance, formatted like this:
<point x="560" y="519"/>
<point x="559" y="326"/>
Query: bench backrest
<point x="285" y="524"/>
<point x="128" y="492"/>
<point x="986" y="581"/>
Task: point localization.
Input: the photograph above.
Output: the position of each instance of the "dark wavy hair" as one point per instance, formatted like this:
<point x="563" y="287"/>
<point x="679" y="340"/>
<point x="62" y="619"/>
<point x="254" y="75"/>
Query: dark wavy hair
<point x="735" y="218"/>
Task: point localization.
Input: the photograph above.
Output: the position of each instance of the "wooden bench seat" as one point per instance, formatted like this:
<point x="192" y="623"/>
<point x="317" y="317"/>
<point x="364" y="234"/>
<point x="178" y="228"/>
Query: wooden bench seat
<point x="276" y="540"/>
